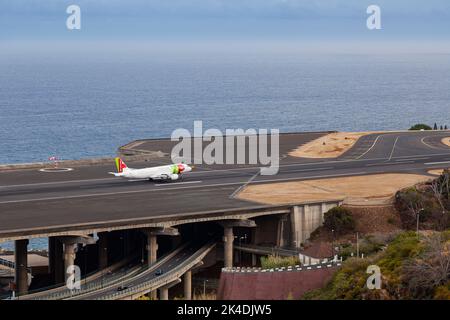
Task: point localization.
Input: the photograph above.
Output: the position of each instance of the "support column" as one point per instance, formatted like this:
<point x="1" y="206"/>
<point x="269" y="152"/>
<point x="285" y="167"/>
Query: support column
<point x="152" y="248"/>
<point x="152" y="245"/>
<point x="188" y="285"/>
<point x="164" y="293"/>
<point x="228" y="239"/>
<point x="254" y="260"/>
<point x="58" y="259"/>
<point x="51" y="257"/>
<point x="55" y="259"/>
<point x="282" y="233"/>
<point x="152" y="251"/>
<point x="69" y="257"/>
<point x="70" y="245"/>
<point x="297" y="225"/>
<point x="21" y="265"/>
<point x="102" y="250"/>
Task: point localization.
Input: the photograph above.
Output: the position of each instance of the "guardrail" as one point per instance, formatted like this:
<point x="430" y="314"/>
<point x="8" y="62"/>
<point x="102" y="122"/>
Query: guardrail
<point x="284" y="269"/>
<point x="162" y="280"/>
<point x="266" y="250"/>
<point x="7" y="263"/>
<point x="54" y="290"/>
<point x="128" y="275"/>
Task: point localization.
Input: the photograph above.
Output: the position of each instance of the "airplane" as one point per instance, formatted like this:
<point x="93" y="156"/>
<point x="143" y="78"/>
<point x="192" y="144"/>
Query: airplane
<point x="165" y="173"/>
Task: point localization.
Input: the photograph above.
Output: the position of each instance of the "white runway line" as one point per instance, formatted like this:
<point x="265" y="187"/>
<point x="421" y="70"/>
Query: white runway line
<point x="56" y="182"/>
<point x="244" y="185"/>
<point x="312" y="169"/>
<point x="168" y="184"/>
<point x="373" y="145"/>
<point x="433" y="163"/>
<point x="388" y="164"/>
<point x="393" y="149"/>
<point x="424" y="158"/>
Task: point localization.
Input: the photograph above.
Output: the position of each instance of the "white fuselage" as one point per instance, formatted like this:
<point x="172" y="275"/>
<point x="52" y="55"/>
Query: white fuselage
<point x="167" y="172"/>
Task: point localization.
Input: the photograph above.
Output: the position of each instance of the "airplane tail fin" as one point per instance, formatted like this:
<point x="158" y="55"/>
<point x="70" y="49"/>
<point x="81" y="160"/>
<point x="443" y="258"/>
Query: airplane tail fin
<point x="120" y="165"/>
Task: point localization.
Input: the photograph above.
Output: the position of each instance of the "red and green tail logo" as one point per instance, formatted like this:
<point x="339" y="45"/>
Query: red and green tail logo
<point x="177" y="168"/>
<point x="120" y="165"/>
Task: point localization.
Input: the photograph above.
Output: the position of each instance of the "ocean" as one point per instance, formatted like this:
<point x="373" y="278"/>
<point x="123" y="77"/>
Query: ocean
<point x="82" y="106"/>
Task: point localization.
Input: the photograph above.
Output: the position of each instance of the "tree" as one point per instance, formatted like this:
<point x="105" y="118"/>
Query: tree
<point x="441" y="128"/>
<point x="431" y="268"/>
<point x="420" y="126"/>
<point x="339" y="219"/>
<point x="435" y="126"/>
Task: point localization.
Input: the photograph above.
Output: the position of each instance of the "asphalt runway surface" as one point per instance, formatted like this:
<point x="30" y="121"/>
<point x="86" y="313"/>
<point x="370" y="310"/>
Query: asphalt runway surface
<point x="34" y="199"/>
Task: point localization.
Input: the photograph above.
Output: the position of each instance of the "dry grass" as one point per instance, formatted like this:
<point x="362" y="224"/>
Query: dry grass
<point x="436" y="172"/>
<point x="446" y="141"/>
<point x="377" y="189"/>
<point x="207" y="296"/>
<point x="330" y="146"/>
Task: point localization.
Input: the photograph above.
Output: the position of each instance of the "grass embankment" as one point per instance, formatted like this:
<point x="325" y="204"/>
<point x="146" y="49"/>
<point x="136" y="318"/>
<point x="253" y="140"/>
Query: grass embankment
<point x="411" y="268"/>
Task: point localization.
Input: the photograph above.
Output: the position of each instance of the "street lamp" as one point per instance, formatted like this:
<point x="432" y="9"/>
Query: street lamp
<point x="123" y="238"/>
<point x="332" y="242"/>
<point x="240" y="244"/>
<point x="204" y="288"/>
<point x="417" y="223"/>
<point x="357" y="245"/>
<point x="84" y="248"/>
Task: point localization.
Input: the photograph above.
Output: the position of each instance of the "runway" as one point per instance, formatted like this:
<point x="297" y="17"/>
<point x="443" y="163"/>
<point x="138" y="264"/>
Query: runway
<point x="34" y="199"/>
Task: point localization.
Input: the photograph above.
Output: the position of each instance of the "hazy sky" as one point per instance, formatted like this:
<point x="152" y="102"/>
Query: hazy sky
<point x="225" y="20"/>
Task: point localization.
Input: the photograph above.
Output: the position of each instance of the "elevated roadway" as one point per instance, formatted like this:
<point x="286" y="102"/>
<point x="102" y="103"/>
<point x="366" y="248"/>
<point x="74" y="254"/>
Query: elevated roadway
<point x="166" y="273"/>
<point x="34" y="203"/>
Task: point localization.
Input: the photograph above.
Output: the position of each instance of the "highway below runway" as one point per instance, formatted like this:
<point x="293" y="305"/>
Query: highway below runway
<point x="33" y="199"/>
<point x="142" y="277"/>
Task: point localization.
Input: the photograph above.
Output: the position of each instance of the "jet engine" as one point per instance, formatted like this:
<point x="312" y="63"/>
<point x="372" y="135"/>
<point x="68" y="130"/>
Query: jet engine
<point x="174" y="176"/>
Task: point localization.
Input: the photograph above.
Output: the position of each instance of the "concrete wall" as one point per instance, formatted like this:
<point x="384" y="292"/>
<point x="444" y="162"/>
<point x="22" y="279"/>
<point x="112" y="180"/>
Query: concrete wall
<point x="266" y="231"/>
<point x="307" y="218"/>
<point x="285" y="230"/>
<point x="276" y="285"/>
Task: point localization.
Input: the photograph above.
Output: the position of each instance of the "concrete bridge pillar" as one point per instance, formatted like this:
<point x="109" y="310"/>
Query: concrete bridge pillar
<point x="70" y="249"/>
<point x="152" y="248"/>
<point x="188" y="285"/>
<point x="283" y="231"/>
<point x="228" y="239"/>
<point x="297" y="225"/>
<point x="164" y="291"/>
<point x="102" y="250"/>
<point x="69" y="257"/>
<point x="152" y="243"/>
<point x="21" y="265"/>
<point x="55" y="259"/>
<point x="254" y="259"/>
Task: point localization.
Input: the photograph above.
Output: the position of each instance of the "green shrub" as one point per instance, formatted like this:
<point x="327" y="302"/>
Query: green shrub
<point x="420" y="126"/>
<point x="340" y="220"/>
<point x="350" y="281"/>
<point x="442" y="292"/>
<point x="273" y="261"/>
